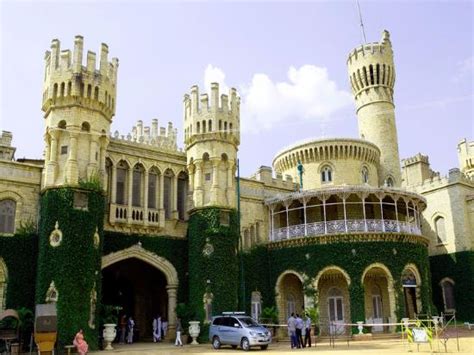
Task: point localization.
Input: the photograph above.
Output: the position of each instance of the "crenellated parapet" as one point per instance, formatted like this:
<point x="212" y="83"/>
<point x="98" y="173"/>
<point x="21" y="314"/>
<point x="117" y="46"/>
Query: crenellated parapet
<point x="372" y="72"/>
<point x="217" y="118"/>
<point x="67" y="82"/>
<point x="161" y="137"/>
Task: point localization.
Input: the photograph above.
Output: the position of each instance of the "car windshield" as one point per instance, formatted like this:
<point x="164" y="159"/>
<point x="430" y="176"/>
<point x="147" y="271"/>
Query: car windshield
<point x="248" y="322"/>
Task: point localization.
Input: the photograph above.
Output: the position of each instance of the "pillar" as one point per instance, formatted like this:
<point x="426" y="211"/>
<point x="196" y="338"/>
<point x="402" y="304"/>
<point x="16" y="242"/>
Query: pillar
<point x="161" y="200"/>
<point x="145" y="197"/>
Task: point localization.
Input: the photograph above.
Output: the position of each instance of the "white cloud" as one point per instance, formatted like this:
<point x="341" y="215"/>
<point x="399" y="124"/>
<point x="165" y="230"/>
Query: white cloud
<point x="307" y="96"/>
<point x="214" y="74"/>
<point x="464" y="69"/>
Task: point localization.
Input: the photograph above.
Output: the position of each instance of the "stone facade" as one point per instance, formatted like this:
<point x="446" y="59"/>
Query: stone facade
<point x="353" y="190"/>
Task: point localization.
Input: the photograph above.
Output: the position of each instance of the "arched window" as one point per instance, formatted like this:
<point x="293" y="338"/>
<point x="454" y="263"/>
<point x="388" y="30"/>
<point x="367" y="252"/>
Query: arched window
<point x="96" y="93"/>
<point x="137" y="186"/>
<point x="256" y="305"/>
<point x="326" y="174"/>
<point x="63" y="88"/>
<point x="152" y="184"/>
<point x="86" y="127"/>
<point x="209" y="126"/>
<point x="447" y="287"/>
<point x="440" y="230"/>
<point x="69" y="88"/>
<point x="7" y="216"/>
<point x="365" y="175"/>
<point x="89" y="91"/>
<point x="336" y="304"/>
<point x="122" y="169"/>
<point x="389" y="182"/>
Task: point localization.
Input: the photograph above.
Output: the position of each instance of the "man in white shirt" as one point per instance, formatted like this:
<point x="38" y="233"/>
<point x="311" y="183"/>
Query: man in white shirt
<point x="307" y="336"/>
<point x="157" y="329"/>
<point x="299" y="331"/>
<point x="292" y="330"/>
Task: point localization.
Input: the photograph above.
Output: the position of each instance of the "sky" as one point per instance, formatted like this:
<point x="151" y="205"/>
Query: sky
<point x="287" y="60"/>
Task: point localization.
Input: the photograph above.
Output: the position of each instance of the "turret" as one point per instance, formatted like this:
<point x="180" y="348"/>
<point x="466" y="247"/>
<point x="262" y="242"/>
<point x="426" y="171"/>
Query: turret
<point x="466" y="157"/>
<point x="212" y="137"/>
<point x="78" y="104"/>
<point x="372" y="78"/>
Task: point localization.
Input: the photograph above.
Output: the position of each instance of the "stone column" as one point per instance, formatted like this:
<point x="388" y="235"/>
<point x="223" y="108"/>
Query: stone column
<point x="174" y="198"/>
<point x="145" y="197"/>
<point x="113" y="188"/>
<point x="198" y="191"/>
<point x="172" y="291"/>
<point x="72" y="174"/>
<point x="130" y="195"/>
<point x="104" y="142"/>
<point x="231" y="194"/>
<point x="161" y="200"/>
<point x="92" y="166"/>
<point x="215" y="181"/>
<point x="190" y="202"/>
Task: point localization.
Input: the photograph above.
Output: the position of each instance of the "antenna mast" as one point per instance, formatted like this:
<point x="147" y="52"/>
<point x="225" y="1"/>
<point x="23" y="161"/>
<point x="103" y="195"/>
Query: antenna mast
<point x="361" y="22"/>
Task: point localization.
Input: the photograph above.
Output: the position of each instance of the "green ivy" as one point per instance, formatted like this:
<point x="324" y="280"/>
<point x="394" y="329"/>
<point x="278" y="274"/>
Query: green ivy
<point x="460" y="268"/>
<point x="220" y="267"/>
<point x="263" y="266"/>
<point x="20" y="253"/>
<point x="75" y="264"/>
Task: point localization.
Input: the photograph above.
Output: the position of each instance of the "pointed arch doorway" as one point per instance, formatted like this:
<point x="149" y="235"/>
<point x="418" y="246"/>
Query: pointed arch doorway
<point x="143" y="284"/>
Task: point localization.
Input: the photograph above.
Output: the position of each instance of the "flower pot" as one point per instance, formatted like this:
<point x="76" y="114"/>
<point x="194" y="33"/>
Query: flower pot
<point x="109" y="334"/>
<point x="194" y="330"/>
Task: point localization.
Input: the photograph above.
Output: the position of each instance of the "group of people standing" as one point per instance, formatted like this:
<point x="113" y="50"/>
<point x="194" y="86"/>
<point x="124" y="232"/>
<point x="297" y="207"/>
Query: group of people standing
<point x="297" y="328"/>
<point x="160" y="328"/>
<point x="127" y="326"/>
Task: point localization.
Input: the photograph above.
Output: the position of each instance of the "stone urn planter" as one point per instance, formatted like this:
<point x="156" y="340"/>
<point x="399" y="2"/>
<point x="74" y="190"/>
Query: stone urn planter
<point x="109" y="334"/>
<point x="194" y="330"/>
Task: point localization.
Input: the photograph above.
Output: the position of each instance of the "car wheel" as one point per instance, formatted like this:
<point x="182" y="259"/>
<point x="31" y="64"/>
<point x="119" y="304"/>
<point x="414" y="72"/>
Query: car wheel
<point x="264" y="347"/>
<point x="234" y="346"/>
<point x="245" y="344"/>
<point x="216" y="343"/>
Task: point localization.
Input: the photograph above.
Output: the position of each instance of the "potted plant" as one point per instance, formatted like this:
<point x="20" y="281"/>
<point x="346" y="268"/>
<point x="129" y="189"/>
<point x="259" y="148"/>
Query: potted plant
<point x="269" y="316"/>
<point x="109" y="319"/>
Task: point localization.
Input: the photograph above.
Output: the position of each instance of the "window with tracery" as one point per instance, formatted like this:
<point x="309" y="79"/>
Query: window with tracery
<point x="326" y="174"/>
<point x="7" y="216"/>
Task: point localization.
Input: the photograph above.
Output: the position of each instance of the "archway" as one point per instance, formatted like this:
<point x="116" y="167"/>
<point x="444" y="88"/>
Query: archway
<point x="411" y="281"/>
<point x="143" y="284"/>
<point x="378" y="296"/>
<point x="332" y="285"/>
<point x="290" y="296"/>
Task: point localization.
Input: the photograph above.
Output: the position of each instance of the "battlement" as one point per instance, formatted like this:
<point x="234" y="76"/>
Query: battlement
<point x="419" y="158"/>
<point x="371" y="66"/>
<point x="437" y="181"/>
<point x="7" y="152"/>
<point x="161" y="137"/>
<point x="265" y="174"/>
<point x="66" y="78"/>
<point x="217" y="117"/>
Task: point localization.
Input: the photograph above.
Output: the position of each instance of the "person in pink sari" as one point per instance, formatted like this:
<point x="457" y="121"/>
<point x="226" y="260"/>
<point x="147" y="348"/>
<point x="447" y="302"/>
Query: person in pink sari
<point x="80" y="343"/>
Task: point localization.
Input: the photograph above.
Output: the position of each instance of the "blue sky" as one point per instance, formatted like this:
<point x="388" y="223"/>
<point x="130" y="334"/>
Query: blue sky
<point x="287" y="59"/>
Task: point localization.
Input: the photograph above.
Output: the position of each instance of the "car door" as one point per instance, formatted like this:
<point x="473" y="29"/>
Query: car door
<point x="234" y="332"/>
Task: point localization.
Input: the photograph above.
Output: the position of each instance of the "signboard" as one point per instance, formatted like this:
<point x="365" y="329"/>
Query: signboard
<point x="420" y="335"/>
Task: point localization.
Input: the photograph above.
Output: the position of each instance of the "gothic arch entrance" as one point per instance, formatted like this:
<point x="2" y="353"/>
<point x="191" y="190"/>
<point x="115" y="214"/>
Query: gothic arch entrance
<point x="143" y="284"/>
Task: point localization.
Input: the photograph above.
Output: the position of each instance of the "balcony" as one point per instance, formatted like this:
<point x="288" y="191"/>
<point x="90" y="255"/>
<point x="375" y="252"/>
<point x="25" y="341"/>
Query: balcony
<point x="344" y="210"/>
<point x="339" y="227"/>
<point x="134" y="215"/>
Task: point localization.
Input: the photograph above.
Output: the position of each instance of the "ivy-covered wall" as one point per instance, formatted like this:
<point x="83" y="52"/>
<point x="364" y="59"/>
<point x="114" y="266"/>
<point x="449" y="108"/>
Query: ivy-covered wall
<point x="20" y="254"/>
<point x="460" y="268"/>
<point x="263" y="266"/>
<point x="213" y="256"/>
<point x="75" y="264"/>
<point x="175" y="250"/>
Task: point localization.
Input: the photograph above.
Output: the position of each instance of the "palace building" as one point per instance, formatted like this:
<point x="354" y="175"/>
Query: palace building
<point x="131" y="220"/>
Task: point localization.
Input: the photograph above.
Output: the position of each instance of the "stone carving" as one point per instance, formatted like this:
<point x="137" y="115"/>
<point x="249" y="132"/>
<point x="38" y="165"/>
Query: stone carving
<point x="56" y="236"/>
<point x="52" y="294"/>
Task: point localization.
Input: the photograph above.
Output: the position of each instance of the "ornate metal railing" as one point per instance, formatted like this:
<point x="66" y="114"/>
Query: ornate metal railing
<point x="344" y="226"/>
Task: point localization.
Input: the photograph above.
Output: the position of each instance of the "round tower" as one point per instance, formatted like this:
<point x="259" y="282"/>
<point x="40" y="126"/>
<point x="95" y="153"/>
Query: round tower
<point x="211" y="136"/>
<point x="78" y="104"/>
<point x="372" y="78"/>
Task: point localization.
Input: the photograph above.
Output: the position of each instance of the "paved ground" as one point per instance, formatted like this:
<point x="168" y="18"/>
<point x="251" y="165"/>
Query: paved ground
<point x="382" y="346"/>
